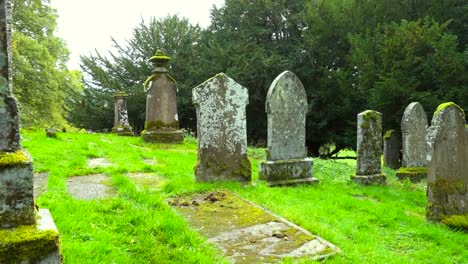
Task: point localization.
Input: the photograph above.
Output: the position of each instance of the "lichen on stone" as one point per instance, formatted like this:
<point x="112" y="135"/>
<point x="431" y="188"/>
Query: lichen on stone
<point x="8" y="159"/>
<point x="389" y="133"/>
<point x="456" y="221"/>
<point x="448" y="104"/>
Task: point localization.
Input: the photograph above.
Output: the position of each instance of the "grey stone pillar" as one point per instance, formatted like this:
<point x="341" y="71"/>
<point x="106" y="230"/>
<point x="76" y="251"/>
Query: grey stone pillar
<point x="369" y="149"/>
<point x="221" y="130"/>
<point x="286" y="107"/>
<point x="121" y="124"/>
<point x="19" y="230"/>
<point x="162" y="123"/>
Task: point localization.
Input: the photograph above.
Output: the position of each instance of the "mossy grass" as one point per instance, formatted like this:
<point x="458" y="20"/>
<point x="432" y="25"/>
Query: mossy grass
<point x="370" y="224"/>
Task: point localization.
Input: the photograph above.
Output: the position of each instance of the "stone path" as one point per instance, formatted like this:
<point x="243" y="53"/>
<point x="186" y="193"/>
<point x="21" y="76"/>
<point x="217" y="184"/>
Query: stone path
<point x="89" y="187"/>
<point x="147" y="180"/>
<point x="247" y="233"/>
<point x="40" y="183"/>
<point x="98" y="162"/>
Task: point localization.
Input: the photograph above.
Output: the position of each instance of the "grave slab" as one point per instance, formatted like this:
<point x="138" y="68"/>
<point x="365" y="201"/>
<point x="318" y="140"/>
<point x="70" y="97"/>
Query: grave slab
<point x="247" y="233"/>
<point x="99" y="162"/>
<point x="147" y="180"/>
<point x="89" y="187"/>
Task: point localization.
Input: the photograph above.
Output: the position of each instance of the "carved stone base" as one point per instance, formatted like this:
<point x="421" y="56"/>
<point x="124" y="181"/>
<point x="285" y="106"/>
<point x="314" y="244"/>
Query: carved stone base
<point x="163" y="136"/>
<point x="287" y="172"/>
<point x="123" y="130"/>
<point x="377" y="179"/>
<point x="412" y="174"/>
<point x="31" y="244"/>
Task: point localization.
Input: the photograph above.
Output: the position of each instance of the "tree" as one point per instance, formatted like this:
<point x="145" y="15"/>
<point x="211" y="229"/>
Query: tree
<point x="41" y="80"/>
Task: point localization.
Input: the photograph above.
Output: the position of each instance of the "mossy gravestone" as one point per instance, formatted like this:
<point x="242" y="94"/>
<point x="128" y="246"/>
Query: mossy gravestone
<point x="161" y="123"/>
<point x="413" y="128"/>
<point x="221" y="130"/>
<point x="286" y="107"/>
<point x="447" y="159"/>
<point x="392" y="149"/>
<point x="121" y="125"/>
<point x="22" y="238"/>
<point x="369" y="149"/>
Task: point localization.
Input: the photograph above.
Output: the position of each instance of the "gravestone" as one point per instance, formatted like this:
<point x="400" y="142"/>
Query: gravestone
<point x="22" y="238"/>
<point x="413" y="129"/>
<point x="286" y="107"/>
<point x="447" y="160"/>
<point x="121" y="124"/>
<point x="221" y="130"/>
<point x="392" y="149"/>
<point x="161" y="123"/>
<point x="369" y="149"/>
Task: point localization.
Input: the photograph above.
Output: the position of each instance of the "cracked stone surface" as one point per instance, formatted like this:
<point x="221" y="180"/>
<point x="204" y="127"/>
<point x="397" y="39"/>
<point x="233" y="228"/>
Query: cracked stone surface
<point x="98" y="162"/>
<point x="40" y="183"/>
<point x="246" y="233"/>
<point x="89" y="187"/>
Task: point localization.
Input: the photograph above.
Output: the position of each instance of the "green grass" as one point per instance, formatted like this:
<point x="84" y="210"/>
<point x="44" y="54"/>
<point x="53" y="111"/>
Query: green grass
<point x="373" y="224"/>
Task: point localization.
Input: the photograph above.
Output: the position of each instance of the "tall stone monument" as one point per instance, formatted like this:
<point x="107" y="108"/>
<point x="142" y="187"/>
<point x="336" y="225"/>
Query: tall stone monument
<point x="369" y="149"/>
<point x="26" y="236"/>
<point x="221" y="130"/>
<point x="162" y="124"/>
<point x="413" y="129"/>
<point x="121" y="124"/>
<point x="447" y="160"/>
<point x="286" y="107"/>
<point x="392" y="149"/>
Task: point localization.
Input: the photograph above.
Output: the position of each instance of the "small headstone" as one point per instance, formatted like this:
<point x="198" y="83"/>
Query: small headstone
<point x="23" y="239"/>
<point x="392" y="149"/>
<point x="286" y="107"/>
<point x="447" y="159"/>
<point x="369" y="149"/>
<point x="51" y="133"/>
<point x="221" y="130"/>
<point x="162" y="124"/>
<point x="413" y="129"/>
<point x="89" y="187"/>
<point x="121" y="125"/>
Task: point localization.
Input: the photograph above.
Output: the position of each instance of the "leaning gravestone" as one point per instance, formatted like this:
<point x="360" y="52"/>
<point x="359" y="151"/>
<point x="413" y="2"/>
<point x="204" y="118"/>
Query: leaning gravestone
<point x="286" y="107"/>
<point x="413" y="128"/>
<point x="392" y="149"/>
<point x="121" y="125"/>
<point x="161" y="123"/>
<point x="447" y="159"/>
<point x="22" y="238"/>
<point x="369" y="149"/>
<point x="221" y="130"/>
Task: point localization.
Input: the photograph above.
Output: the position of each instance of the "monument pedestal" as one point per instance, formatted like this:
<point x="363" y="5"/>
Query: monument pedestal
<point x="123" y="130"/>
<point x="287" y="172"/>
<point x="414" y="174"/>
<point x="163" y="136"/>
<point x="379" y="179"/>
<point x="31" y="243"/>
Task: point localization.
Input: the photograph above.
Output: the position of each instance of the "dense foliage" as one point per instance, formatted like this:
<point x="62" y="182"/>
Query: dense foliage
<point x="41" y="80"/>
<point x="351" y="55"/>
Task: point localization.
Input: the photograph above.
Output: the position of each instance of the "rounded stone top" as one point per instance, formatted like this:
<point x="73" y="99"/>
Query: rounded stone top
<point x="160" y="58"/>
<point x="120" y="94"/>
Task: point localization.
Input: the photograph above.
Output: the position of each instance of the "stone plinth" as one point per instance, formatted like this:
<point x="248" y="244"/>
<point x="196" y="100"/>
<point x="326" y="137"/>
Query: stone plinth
<point x="121" y="124"/>
<point x="221" y="130"/>
<point x="161" y="123"/>
<point x="369" y="149"/>
<point x="413" y="128"/>
<point x="286" y="107"/>
<point x="447" y="174"/>
<point x="392" y="149"/>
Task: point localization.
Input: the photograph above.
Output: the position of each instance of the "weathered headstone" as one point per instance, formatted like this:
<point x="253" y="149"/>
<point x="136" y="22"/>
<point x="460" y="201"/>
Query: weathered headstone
<point x="221" y="130"/>
<point x="369" y="149"/>
<point x="392" y="149"/>
<point x="447" y="160"/>
<point x="121" y="124"/>
<point x="286" y="107"/>
<point x="413" y="129"/>
<point x="161" y="123"/>
<point x="22" y="239"/>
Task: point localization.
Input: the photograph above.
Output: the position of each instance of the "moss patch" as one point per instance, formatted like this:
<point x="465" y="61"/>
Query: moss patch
<point x="8" y="159"/>
<point x="388" y="134"/>
<point x="26" y="243"/>
<point x="414" y="174"/>
<point x="158" y="124"/>
<point x="448" y="104"/>
<point x="457" y="221"/>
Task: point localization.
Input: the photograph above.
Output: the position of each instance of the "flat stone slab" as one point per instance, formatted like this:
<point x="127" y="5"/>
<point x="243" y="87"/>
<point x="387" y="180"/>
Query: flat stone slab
<point x="99" y="162"/>
<point x="247" y="233"/>
<point x="89" y="187"/>
<point x="147" y="180"/>
<point x="149" y="162"/>
<point x="40" y="183"/>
